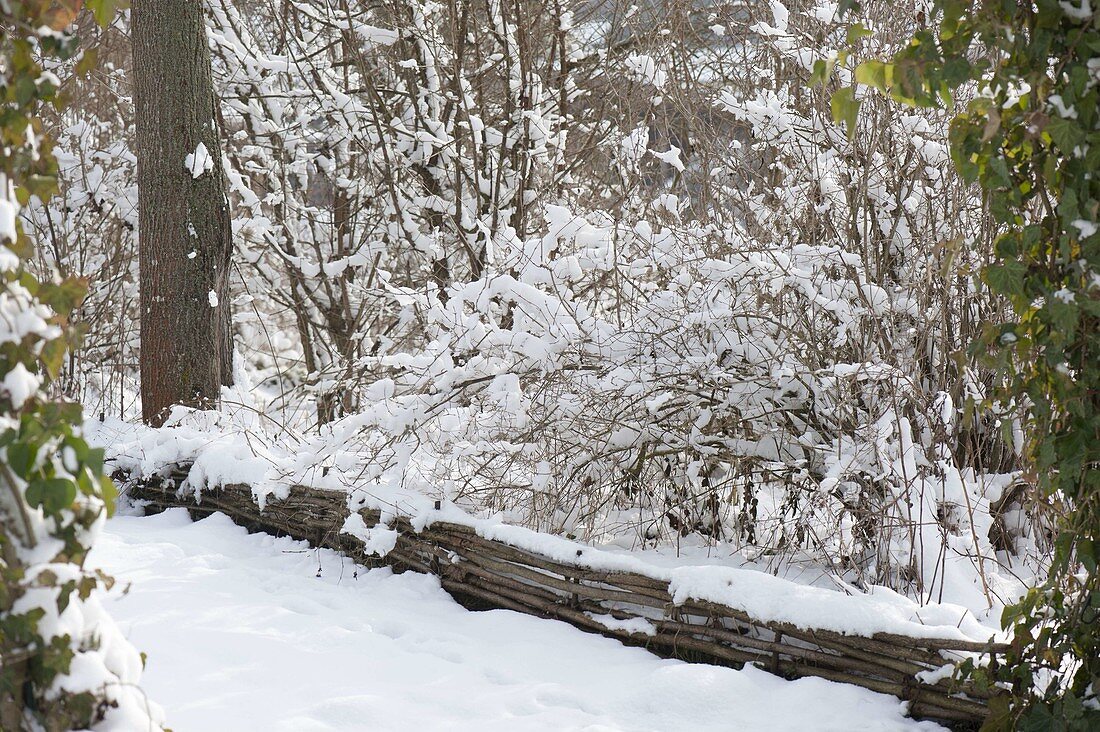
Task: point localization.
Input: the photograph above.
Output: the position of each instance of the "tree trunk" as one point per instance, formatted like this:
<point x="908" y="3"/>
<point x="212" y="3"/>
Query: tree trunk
<point x="184" y="227"/>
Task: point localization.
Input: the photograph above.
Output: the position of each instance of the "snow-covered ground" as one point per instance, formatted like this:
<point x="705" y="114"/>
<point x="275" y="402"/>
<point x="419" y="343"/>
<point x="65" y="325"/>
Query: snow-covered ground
<point x="249" y="632"/>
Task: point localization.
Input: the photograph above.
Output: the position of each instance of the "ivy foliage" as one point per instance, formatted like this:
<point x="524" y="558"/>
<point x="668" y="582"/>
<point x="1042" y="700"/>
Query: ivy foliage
<point x="53" y="492"/>
<point x="1029" y="134"/>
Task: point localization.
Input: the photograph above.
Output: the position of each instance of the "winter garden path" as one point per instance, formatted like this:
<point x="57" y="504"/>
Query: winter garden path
<point x="250" y="632"/>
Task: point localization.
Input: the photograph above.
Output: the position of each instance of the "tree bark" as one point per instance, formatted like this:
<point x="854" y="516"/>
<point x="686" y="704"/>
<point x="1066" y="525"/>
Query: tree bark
<point x="184" y="227"/>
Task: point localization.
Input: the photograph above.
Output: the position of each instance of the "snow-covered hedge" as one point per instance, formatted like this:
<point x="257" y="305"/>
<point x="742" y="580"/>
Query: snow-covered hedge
<point x="63" y="662"/>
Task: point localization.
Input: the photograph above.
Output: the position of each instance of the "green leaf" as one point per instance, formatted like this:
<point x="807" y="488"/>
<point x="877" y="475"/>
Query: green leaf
<point x="88" y="61"/>
<point x="874" y="73"/>
<point x="857" y="31"/>
<point x="1063" y="316"/>
<point x="848" y="6"/>
<point x="20" y="457"/>
<point x="822" y="70"/>
<point x="910" y="82"/>
<point x="53" y="356"/>
<point x="25" y="90"/>
<point x="41" y="186"/>
<point x="1007" y="278"/>
<point x="52" y="494"/>
<point x="956" y="71"/>
<point x="94" y="460"/>
<point x="845" y="109"/>
<point x="1066" y="134"/>
<point x="1008" y="245"/>
<point x="65" y="296"/>
<point x="1086" y="552"/>
<point x="109" y="494"/>
<point x="104" y="10"/>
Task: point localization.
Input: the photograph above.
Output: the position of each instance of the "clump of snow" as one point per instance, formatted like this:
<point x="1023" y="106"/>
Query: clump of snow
<point x="1077" y="12"/>
<point x="669" y="202"/>
<point x="378" y="540"/>
<point x="636" y="626"/>
<point x="780" y="14"/>
<point x="632" y="148"/>
<point x="826" y="11"/>
<point x="212" y="298"/>
<point x="199" y="162"/>
<point x="1067" y="112"/>
<point x="374" y="36"/>
<point x="936" y="675"/>
<point x="883" y="611"/>
<point x="20" y="385"/>
<point x="1087" y="228"/>
<point x="22" y="315"/>
<point x="8" y="213"/>
<point x="670" y="157"/>
<point x="215" y="456"/>
<point x="645" y="69"/>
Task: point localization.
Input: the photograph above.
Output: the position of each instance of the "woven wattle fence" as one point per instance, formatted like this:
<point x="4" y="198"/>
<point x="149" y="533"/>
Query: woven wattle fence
<point x="483" y="573"/>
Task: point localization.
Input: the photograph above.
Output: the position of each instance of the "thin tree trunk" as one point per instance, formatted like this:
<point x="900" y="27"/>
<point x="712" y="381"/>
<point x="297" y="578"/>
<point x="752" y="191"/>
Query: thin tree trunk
<point x="184" y="227"/>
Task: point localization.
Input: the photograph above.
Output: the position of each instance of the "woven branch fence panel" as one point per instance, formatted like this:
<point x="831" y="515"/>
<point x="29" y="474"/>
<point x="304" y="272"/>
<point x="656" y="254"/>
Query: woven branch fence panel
<point x="482" y="573"/>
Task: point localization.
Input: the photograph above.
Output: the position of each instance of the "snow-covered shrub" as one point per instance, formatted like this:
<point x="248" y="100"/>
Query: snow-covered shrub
<point x="63" y="662"/>
<point x="611" y="269"/>
<point x="723" y="317"/>
<point x="87" y="228"/>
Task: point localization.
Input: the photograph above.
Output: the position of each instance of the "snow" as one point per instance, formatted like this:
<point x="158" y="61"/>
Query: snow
<point x="637" y="626"/>
<point x="1067" y="112"/>
<point x="199" y="162"/>
<point x="212" y="298"/>
<point x="758" y="593"/>
<point x="645" y="69"/>
<point x="781" y="15"/>
<point x="1077" y="12"/>
<point x="1087" y="228"/>
<point x="934" y="676"/>
<point x="671" y="157"/>
<point x="8" y="213"/>
<point x="378" y="540"/>
<point x="251" y="632"/>
<point x="375" y="36"/>
<point x="20" y="385"/>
